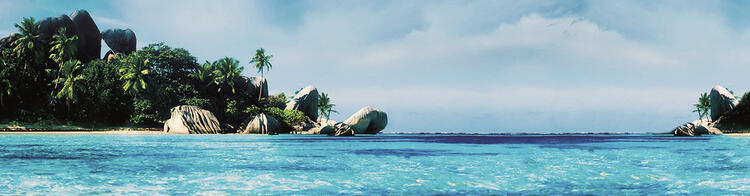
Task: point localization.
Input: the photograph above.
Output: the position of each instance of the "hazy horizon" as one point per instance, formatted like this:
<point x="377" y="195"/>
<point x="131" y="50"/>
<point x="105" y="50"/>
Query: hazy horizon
<point x="461" y="66"/>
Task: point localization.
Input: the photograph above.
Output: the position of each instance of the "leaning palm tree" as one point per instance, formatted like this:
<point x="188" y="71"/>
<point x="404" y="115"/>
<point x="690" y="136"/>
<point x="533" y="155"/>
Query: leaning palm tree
<point x="325" y="106"/>
<point x="226" y="71"/>
<point x="29" y="44"/>
<point x="63" y="49"/>
<point x="703" y="106"/>
<point x="69" y="81"/>
<point x="262" y="63"/>
<point x="133" y="73"/>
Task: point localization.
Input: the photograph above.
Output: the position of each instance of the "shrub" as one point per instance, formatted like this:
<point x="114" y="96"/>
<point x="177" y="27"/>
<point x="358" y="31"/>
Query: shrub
<point x="738" y="118"/>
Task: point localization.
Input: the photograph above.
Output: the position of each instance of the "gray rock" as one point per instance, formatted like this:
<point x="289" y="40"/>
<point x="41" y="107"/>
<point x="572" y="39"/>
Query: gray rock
<point x="120" y="40"/>
<point x="187" y="119"/>
<point x="341" y="129"/>
<point x="89" y="39"/>
<point x="49" y="27"/>
<point x="254" y="85"/>
<point x="306" y="101"/>
<point x="696" y="128"/>
<point x="368" y="120"/>
<point x="721" y="101"/>
<point x="6" y="42"/>
<point x="263" y="124"/>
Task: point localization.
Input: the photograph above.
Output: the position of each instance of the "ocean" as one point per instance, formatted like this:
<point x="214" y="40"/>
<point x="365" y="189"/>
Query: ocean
<point x="383" y="164"/>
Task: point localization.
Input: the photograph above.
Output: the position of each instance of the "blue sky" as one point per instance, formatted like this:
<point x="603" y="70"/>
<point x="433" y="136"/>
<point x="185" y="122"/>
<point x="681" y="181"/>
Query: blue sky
<point x="462" y="66"/>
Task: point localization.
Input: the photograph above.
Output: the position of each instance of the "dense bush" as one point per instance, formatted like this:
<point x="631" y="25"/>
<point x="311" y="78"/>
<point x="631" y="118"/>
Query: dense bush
<point x="737" y="119"/>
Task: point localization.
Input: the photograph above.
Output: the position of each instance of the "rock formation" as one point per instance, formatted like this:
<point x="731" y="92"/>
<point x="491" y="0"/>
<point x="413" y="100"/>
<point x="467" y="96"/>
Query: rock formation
<point x="6" y="42"/>
<point x="49" y="27"/>
<point x="367" y="120"/>
<point x="187" y="119"/>
<point x="120" y="40"/>
<point x="721" y="101"/>
<point x="695" y="128"/>
<point x="89" y="39"/>
<point x="263" y="124"/>
<point x="306" y="101"/>
<point x="254" y="85"/>
<point x="341" y="129"/>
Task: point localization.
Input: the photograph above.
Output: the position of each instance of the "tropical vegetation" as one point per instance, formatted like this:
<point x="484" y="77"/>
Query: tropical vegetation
<point x="43" y="82"/>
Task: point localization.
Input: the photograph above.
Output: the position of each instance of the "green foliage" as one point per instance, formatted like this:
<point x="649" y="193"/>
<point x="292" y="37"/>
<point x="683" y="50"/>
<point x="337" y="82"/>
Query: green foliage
<point x="703" y="105"/>
<point x="325" y="106"/>
<point x="104" y="99"/>
<point x="288" y="117"/>
<point x="261" y="62"/>
<point x="133" y="71"/>
<point x="63" y="48"/>
<point x="144" y="113"/>
<point x="226" y="72"/>
<point x="70" y="81"/>
<point x="199" y="102"/>
<point x="737" y="119"/>
<point x="28" y="46"/>
<point x="279" y="101"/>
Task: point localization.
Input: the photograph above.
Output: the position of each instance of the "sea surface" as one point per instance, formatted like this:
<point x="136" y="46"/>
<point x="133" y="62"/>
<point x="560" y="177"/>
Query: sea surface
<point x="391" y="164"/>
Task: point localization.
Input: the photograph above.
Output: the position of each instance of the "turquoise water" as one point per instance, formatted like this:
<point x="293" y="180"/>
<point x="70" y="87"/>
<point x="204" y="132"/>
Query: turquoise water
<point x="378" y="164"/>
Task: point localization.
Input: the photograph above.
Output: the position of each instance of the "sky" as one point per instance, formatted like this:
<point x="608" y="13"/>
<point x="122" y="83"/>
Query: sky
<point x="461" y="66"/>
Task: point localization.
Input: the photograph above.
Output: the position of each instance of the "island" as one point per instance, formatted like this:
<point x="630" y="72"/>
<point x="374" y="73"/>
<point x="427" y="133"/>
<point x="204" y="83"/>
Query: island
<point x="52" y="75"/>
<point x="719" y="112"/>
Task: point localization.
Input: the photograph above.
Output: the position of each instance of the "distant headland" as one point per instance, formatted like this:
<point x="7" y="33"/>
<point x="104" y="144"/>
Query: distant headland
<point x="52" y="74"/>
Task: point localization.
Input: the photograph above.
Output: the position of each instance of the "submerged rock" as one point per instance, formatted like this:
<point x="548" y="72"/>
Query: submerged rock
<point x="368" y="120"/>
<point x="120" y="40"/>
<point x="721" y="101"/>
<point x="89" y="39"/>
<point x="263" y="124"/>
<point x="306" y="101"/>
<point x="187" y="119"/>
<point x="695" y="128"/>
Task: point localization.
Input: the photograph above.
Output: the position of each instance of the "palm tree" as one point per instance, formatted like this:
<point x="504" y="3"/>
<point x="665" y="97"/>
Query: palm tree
<point x="69" y="81"/>
<point x="261" y="62"/>
<point x="325" y="106"/>
<point x="703" y="106"/>
<point x="203" y="74"/>
<point x="29" y="43"/>
<point x="133" y="74"/>
<point x="63" y="49"/>
<point x="226" y="71"/>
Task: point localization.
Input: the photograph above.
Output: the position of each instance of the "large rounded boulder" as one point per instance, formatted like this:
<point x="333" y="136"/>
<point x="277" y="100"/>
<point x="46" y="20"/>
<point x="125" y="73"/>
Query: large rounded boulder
<point x="255" y="86"/>
<point x="49" y="27"/>
<point x="367" y="120"/>
<point x="306" y="101"/>
<point x="6" y="42"/>
<point x="721" y="101"/>
<point x="187" y="119"/>
<point x="89" y="38"/>
<point x="263" y="124"/>
<point x="120" y="40"/>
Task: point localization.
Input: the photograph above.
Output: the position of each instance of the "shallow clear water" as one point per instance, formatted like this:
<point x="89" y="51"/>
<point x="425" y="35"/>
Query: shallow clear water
<point x="378" y="164"/>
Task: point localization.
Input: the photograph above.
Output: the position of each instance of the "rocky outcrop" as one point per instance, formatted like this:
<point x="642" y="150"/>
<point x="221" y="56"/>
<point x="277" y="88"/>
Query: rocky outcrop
<point x="120" y="40"/>
<point x="341" y="129"/>
<point x="721" y="101"/>
<point x="49" y="27"/>
<point x="89" y="39"/>
<point x="696" y="128"/>
<point x="263" y="124"/>
<point x="255" y="86"/>
<point x="6" y="42"/>
<point x="306" y="101"/>
<point x="368" y="120"/>
<point x="187" y="119"/>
